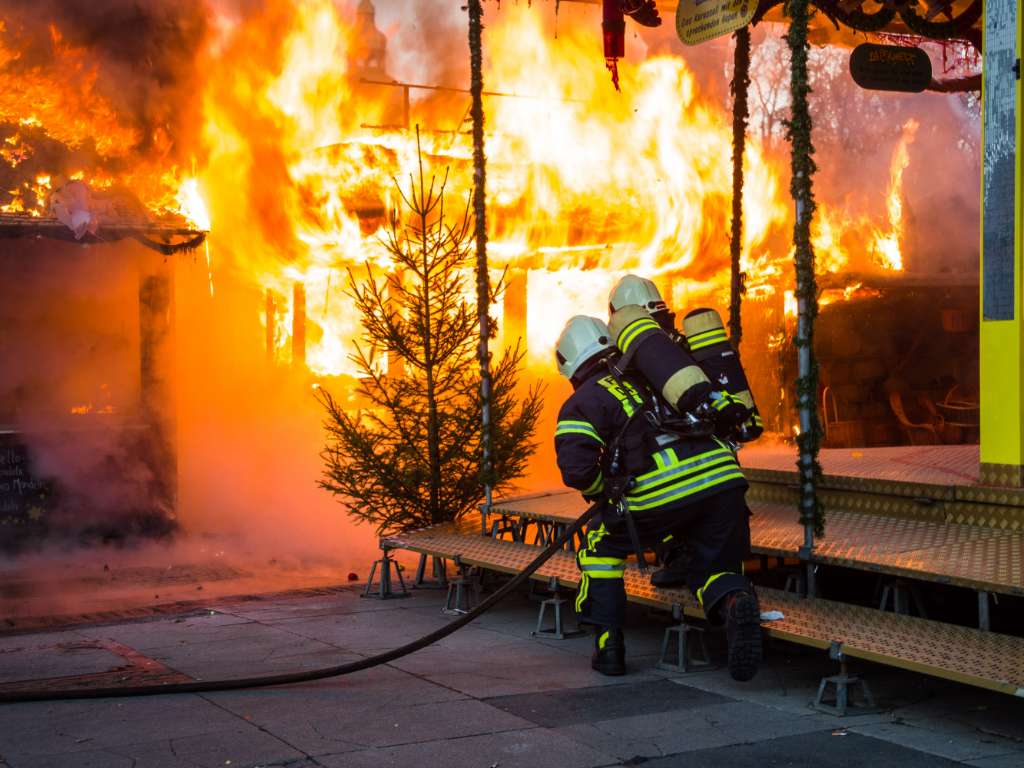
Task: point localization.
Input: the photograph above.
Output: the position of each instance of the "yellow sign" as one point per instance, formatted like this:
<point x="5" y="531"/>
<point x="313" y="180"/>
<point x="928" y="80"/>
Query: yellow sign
<point x="698" y="21"/>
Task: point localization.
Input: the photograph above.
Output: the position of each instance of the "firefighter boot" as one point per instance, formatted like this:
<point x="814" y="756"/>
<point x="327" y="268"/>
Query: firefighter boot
<point x="609" y="652"/>
<point x="672" y="575"/>
<point x="673" y="571"/>
<point x="743" y="633"/>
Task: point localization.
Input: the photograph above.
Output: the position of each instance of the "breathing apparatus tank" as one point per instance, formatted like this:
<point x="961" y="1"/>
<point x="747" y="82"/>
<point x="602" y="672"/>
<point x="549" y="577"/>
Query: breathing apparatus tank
<point x="671" y="371"/>
<point x="710" y="347"/>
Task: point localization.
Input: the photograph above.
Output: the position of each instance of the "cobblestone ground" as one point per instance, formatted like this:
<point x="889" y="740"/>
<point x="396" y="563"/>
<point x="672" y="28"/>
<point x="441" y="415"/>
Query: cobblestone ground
<point x="490" y="696"/>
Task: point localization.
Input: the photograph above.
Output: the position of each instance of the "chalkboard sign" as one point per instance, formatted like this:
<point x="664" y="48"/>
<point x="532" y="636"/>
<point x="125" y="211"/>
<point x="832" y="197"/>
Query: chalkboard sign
<point x="999" y="160"/>
<point x="24" y="499"/>
<point x="890" y="68"/>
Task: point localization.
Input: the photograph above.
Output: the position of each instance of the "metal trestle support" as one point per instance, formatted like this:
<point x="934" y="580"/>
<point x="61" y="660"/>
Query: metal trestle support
<point x="385" y="587"/>
<point x="463" y="590"/>
<point x="439" y="573"/>
<point x="686" y="643"/>
<point x="843" y="686"/>
<point x="555" y="602"/>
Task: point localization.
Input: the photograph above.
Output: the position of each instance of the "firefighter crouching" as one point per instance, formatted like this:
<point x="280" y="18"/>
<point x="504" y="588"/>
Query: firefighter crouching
<point x="659" y="476"/>
<point x="705" y="340"/>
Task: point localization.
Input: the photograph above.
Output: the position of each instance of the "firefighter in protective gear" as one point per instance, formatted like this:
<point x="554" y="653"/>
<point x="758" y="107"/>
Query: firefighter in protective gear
<point x="615" y="444"/>
<point x="705" y="339"/>
<point x="708" y="345"/>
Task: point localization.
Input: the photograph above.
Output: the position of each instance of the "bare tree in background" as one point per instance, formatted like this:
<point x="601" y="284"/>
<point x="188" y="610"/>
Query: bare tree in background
<point x="769" y="87"/>
<point x="412" y="458"/>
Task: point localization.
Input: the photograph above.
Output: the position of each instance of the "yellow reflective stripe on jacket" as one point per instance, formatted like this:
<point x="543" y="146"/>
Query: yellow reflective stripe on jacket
<point x="691" y="487"/>
<point x="707" y="338"/>
<point x="569" y="427"/>
<point x="595" y="487"/>
<point x="666" y="458"/>
<point x="633" y="330"/>
<point x="683" y="478"/>
<point x="626" y="394"/>
<point x="679" y="468"/>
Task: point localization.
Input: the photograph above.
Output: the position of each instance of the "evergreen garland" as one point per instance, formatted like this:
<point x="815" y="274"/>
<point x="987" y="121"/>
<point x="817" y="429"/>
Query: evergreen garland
<point x="803" y="168"/>
<point x="483" y="283"/>
<point x="740" y="113"/>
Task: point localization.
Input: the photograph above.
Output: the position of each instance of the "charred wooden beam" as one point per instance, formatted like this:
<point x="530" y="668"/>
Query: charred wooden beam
<point x="299" y="324"/>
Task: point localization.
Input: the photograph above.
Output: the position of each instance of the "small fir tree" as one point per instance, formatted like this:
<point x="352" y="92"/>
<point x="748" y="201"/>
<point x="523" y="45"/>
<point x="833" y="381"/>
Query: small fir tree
<point x="412" y="458"/>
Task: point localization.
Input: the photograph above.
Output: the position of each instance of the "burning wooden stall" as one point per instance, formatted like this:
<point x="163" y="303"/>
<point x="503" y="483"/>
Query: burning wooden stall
<point x="87" y="400"/>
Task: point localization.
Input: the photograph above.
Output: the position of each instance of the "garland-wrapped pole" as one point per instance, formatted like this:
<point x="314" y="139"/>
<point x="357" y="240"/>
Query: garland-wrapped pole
<point x="811" y="514"/>
<point x="740" y="113"/>
<point x="483" y="281"/>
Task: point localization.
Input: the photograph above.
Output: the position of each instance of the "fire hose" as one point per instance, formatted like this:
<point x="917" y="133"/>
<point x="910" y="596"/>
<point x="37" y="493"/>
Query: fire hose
<point x="286" y="678"/>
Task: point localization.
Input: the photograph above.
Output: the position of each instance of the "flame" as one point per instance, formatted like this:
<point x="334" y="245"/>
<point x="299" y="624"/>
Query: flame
<point x="584" y="184"/>
<point x="191" y="204"/>
<point x="887" y="244"/>
<point x="297" y="158"/>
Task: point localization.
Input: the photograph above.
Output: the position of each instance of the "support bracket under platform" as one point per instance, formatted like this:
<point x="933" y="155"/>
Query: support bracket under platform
<point x="686" y="643"/>
<point x="555" y="602"/>
<point x="385" y="587"/>
<point x="836" y="693"/>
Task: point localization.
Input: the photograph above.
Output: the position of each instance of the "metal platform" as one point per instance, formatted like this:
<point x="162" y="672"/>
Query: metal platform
<point x="971" y="556"/>
<point x="923" y="526"/>
<point x="982" y="659"/>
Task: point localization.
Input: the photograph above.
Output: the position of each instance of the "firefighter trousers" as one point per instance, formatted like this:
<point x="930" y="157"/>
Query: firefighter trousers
<point x="716" y="528"/>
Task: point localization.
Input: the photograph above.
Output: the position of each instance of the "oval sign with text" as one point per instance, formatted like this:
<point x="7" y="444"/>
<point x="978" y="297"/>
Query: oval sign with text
<point x="890" y="68"/>
<point x="698" y="21"/>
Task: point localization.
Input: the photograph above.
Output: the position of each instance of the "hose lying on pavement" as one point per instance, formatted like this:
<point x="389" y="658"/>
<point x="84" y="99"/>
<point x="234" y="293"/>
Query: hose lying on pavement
<point x="207" y="686"/>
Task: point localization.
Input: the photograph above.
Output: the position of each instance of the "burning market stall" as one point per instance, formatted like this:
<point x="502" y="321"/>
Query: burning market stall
<point x="87" y="408"/>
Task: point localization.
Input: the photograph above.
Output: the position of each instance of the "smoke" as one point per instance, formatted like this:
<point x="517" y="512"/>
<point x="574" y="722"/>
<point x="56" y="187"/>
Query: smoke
<point x="69" y="388"/>
<point x="140" y="59"/>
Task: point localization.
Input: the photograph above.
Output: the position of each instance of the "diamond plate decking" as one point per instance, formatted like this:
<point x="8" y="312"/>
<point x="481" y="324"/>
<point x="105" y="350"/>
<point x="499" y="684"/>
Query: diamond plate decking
<point x="970" y="656"/>
<point x="913" y="511"/>
<point x="944" y="465"/>
<point x="970" y="556"/>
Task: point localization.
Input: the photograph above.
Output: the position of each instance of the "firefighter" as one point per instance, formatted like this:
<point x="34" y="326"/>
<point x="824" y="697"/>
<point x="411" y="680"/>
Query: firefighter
<point x="657" y="475"/>
<point x="705" y="338"/>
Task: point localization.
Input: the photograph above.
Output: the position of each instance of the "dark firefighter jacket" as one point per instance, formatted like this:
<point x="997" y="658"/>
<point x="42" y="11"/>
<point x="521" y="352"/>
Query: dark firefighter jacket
<point x="666" y="471"/>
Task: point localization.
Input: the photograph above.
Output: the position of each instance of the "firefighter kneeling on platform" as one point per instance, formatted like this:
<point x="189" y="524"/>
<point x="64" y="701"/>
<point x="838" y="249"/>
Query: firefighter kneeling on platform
<point x="650" y="456"/>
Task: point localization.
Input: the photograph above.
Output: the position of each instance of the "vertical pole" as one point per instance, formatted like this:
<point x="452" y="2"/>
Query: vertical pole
<point x="740" y="112"/>
<point x="156" y="378"/>
<point x="483" y="281"/>
<point x="803" y="168"/>
<point x="299" y="324"/>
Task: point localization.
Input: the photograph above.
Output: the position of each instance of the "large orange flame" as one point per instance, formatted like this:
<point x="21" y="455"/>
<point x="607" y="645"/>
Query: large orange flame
<point x="297" y="157"/>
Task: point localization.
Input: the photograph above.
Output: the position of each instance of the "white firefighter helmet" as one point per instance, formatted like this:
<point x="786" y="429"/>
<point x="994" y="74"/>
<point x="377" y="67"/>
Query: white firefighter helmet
<point x="633" y="289"/>
<point x="582" y="338"/>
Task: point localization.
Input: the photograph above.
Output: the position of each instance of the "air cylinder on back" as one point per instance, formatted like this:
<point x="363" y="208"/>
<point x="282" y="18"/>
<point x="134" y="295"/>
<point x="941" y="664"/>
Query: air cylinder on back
<point x="711" y="349"/>
<point x="669" y="369"/>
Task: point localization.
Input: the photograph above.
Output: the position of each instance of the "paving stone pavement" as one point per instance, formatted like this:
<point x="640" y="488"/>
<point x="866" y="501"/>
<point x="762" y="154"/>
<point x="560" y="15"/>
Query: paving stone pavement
<point x="489" y="696"/>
